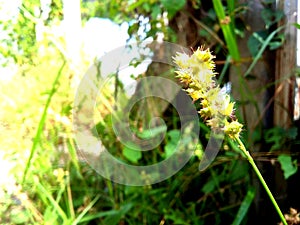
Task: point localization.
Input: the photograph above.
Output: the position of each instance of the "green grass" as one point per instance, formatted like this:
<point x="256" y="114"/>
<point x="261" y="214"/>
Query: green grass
<point x="53" y="186"/>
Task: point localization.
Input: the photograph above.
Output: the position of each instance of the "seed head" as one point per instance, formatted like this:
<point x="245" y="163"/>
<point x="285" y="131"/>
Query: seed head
<point x="197" y="72"/>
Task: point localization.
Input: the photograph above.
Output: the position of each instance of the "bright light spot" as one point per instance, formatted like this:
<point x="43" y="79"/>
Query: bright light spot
<point x="7" y="72"/>
<point x="102" y="35"/>
<point x="8" y="9"/>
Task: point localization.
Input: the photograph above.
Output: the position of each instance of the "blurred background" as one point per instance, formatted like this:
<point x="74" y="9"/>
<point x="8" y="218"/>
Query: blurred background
<point x="48" y="45"/>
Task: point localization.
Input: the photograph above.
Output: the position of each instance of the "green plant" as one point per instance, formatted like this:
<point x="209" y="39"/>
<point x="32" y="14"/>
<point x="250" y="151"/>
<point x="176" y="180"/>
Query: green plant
<point x="197" y="73"/>
<point x="54" y="192"/>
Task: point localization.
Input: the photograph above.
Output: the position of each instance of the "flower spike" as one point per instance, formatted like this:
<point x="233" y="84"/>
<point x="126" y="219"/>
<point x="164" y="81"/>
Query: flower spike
<point x="197" y="72"/>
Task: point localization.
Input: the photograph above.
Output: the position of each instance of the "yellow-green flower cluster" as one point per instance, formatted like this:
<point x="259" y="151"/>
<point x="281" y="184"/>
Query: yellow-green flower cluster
<point x="197" y="73"/>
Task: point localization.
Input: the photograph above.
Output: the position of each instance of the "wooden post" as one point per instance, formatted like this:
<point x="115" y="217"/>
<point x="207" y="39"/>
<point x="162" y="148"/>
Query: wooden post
<point x="285" y="67"/>
<point x="284" y="96"/>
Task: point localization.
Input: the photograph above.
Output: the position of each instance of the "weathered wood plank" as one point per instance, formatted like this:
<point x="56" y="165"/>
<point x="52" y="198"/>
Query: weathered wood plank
<point x="285" y="67"/>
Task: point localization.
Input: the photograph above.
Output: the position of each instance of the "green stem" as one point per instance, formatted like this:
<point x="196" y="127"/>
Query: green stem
<point x="42" y="122"/>
<point x="260" y="177"/>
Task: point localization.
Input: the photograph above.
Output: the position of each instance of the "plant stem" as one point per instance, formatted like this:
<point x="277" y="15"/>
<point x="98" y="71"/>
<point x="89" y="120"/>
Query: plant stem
<point x="260" y="177"/>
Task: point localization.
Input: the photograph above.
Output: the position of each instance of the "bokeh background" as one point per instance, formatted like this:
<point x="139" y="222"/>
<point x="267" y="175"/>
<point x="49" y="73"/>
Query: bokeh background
<point x="48" y="45"/>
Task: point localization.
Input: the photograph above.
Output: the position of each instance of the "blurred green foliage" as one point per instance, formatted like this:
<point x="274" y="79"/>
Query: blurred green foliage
<point x="59" y="187"/>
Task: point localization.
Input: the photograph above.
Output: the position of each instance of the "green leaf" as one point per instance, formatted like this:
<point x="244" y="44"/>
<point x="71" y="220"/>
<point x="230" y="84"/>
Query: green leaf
<point x="262" y="49"/>
<point x="239" y="171"/>
<point x="275" y="137"/>
<point x="112" y="216"/>
<point x="174" y="135"/>
<point x="255" y="41"/>
<point x="244" y="206"/>
<point x="173" y="138"/>
<point x="271" y="17"/>
<point x="173" y="7"/>
<point x="253" y="45"/>
<point x="203" y="33"/>
<point x="132" y="155"/>
<point x="292" y="133"/>
<point x="85" y="211"/>
<point x="152" y="132"/>
<point x="155" y="11"/>
<point x="289" y="168"/>
<point x="115" y="219"/>
<point x="19" y="216"/>
<point x="297" y="25"/>
<point x="147" y="7"/>
<point x="170" y="149"/>
<point x="209" y="186"/>
<point x="135" y="5"/>
<point x="277" y="42"/>
<point x="133" y="28"/>
<point x="227" y="30"/>
<point x="176" y="217"/>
